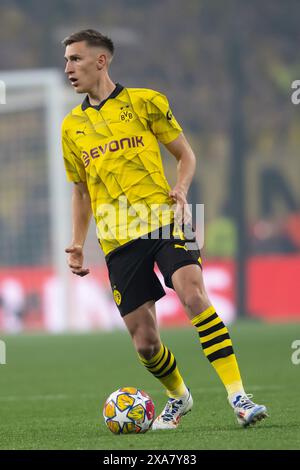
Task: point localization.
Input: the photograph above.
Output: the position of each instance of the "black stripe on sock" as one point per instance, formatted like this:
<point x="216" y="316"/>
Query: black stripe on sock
<point x="214" y="328"/>
<point x="216" y="340"/>
<point x="224" y="352"/>
<point x="172" y="368"/>
<point x="207" y="320"/>
<point x="165" y="364"/>
<point x="150" y="366"/>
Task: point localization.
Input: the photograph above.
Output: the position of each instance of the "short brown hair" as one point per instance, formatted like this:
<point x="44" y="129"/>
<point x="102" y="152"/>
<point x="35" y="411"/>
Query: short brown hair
<point x="92" y="38"/>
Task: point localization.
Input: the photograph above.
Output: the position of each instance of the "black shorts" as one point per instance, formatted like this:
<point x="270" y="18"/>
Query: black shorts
<point x="131" y="267"/>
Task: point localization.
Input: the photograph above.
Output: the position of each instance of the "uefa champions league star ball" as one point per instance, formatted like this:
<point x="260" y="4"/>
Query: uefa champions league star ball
<point x="128" y="410"/>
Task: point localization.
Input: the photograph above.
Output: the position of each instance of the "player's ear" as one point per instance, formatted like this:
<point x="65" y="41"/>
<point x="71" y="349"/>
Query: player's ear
<point x="101" y="61"/>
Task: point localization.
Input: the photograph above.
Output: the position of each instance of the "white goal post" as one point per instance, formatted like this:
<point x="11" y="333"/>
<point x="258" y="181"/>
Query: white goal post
<point x="30" y="90"/>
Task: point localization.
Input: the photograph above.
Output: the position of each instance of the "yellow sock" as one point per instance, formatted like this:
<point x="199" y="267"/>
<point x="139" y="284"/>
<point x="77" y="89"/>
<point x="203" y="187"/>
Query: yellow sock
<point x="217" y="347"/>
<point x="163" y="366"/>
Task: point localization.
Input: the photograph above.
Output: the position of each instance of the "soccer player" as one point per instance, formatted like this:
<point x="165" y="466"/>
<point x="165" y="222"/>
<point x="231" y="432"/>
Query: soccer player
<point x="111" y="154"/>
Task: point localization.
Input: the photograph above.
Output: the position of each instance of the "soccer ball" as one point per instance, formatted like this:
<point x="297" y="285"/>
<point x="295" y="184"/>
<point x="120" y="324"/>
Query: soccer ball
<point x="128" y="410"/>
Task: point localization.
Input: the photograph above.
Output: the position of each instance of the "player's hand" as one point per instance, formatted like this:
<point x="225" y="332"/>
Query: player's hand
<point x="182" y="212"/>
<point x="75" y="260"/>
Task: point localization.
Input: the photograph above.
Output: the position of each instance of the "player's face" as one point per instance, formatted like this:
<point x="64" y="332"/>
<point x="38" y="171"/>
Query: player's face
<point x="82" y="66"/>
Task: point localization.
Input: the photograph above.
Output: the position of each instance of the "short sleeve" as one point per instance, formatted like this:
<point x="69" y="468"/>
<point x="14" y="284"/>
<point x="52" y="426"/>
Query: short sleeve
<point x="162" y="122"/>
<point x="74" y="166"/>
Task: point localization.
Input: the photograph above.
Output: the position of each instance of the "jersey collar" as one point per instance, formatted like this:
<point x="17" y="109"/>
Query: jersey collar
<point x="86" y="102"/>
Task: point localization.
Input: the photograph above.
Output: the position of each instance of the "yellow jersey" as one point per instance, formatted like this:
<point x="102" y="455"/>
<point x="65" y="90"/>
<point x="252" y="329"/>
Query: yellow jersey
<point x="113" y="147"/>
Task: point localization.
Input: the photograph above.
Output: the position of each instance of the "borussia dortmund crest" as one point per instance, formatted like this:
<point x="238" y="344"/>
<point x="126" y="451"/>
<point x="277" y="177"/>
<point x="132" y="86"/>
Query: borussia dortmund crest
<point x="117" y="296"/>
<point x="126" y="114"/>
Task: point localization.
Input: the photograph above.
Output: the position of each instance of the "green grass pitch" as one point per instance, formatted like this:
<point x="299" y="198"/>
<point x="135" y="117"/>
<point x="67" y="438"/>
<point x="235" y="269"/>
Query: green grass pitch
<point x="53" y="387"/>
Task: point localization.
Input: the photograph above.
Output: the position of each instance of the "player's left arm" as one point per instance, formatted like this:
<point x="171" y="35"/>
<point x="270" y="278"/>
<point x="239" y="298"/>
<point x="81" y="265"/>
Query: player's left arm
<point x="186" y="167"/>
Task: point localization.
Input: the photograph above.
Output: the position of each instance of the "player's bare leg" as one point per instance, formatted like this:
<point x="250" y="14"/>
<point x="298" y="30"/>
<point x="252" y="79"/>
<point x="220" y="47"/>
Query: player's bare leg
<point x="159" y="360"/>
<point x="142" y="326"/>
<point x="215" y="340"/>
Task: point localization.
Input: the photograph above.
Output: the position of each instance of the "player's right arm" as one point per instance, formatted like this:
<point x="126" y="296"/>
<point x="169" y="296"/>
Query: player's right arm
<point x="81" y="203"/>
<point x="81" y="217"/>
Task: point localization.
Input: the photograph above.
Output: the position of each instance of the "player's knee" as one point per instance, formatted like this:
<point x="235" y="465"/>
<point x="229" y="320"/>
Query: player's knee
<point x="195" y="298"/>
<point x="147" y="348"/>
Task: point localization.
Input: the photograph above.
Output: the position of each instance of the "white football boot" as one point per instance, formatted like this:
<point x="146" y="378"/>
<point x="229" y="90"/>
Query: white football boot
<point x="248" y="413"/>
<point x="172" y="412"/>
